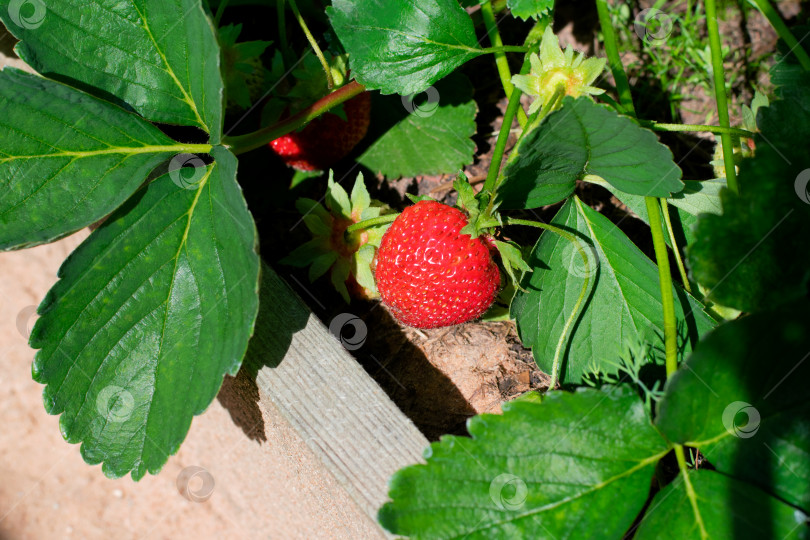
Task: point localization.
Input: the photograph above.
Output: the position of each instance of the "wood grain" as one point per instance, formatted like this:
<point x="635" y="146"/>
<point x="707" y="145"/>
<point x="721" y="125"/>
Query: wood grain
<point x="343" y="416"/>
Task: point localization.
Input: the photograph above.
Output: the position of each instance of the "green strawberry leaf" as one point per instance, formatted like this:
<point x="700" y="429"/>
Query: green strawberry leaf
<point x="553" y="469"/>
<point x="513" y="261"/>
<point x="67" y="159"/>
<point x="149" y="314"/>
<point x="787" y="72"/>
<point x="622" y="307"/>
<point x="742" y="399"/>
<point x="403" y="46"/>
<point x="584" y="140"/>
<point x="426" y="134"/>
<point x="754" y="256"/>
<point x="696" y="198"/>
<point x="159" y="57"/>
<point x="526" y="9"/>
<point x="727" y="508"/>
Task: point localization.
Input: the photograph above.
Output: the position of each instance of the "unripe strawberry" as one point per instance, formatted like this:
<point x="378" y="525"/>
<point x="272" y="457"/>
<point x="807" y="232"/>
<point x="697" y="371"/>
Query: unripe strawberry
<point x="430" y="274"/>
<point x="327" y="139"/>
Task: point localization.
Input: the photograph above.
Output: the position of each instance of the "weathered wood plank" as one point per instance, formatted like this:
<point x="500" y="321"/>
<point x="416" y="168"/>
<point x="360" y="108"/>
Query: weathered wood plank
<point x="341" y="413"/>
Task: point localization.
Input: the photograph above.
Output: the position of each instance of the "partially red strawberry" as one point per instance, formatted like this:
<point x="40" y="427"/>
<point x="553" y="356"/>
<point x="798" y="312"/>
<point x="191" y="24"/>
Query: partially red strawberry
<point x="430" y="274"/>
<point x="327" y="139"/>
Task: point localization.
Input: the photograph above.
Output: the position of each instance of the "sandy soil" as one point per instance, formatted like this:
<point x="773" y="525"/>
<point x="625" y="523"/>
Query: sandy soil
<point x="271" y="488"/>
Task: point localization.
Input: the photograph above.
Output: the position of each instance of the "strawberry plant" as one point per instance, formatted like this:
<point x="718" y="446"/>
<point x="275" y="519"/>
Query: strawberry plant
<point x="675" y="405"/>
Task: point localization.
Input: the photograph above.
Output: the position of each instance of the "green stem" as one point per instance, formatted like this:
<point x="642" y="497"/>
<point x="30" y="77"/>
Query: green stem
<point x="614" y="59"/>
<point x="553" y="104"/>
<point x="784" y="32"/>
<point x="373" y="222"/>
<point x="286" y="53"/>
<point x="736" y="132"/>
<point x="674" y="244"/>
<point x="664" y="276"/>
<point x="314" y="44"/>
<point x="500" y="57"/>
<point x="690" y="490"/>
<point x="653" y="208"/>
<point x="720" y="93"/>
<point x="220" y="10"/>
<point x="494" y="177"/>
<point x="504" y="48"/>
<point x="240" y="144"/>
<point x="500" y="144"/>
<point x="583" y="251"/>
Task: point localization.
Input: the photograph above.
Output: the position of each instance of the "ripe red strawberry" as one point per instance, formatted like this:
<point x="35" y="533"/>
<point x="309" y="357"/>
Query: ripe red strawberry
<point x="327" y="139"/>
<point x="430" y="274"/>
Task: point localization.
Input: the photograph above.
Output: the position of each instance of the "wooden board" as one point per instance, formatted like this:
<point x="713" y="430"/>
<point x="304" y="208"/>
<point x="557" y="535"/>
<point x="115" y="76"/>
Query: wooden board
<point x="343" y="416"/>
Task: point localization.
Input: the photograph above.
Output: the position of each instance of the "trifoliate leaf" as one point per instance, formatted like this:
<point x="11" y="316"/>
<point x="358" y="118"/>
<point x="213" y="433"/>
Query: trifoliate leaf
<point x="68" y="159"/>
<point x="742" y="399"/>
<point x="428" y="133"/>
<point x="526" y="9"/>
<point x="755" y="255"/>
<point x="726" y="508"/>
<point x="585" y="139"/>
<point x="403" y="46"/>
<point x="158" y="57"/>
<point x="623" y="304"/>
<point x="553" y="469"/>
<point x="148" y="315"/>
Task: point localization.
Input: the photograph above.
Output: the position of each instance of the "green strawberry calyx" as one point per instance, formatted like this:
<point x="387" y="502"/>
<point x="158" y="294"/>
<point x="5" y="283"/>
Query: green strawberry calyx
<point x="245" y="75"/>
<point x="554" y="68"/>
<point x="483" y="223"/>
<point x="347" y="256"/>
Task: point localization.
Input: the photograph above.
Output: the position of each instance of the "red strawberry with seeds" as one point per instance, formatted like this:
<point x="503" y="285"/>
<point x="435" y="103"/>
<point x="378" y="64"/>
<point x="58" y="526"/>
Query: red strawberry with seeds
<point x="327" y="139"/>
<point x="430" y="274"/>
